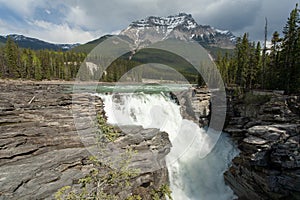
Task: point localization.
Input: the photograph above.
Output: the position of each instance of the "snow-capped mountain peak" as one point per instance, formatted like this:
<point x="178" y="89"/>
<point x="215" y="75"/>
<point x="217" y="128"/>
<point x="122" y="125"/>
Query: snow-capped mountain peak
<point x="169" y="22"/>
<point x="16" y="37"/>
<point x="181" y="26"/>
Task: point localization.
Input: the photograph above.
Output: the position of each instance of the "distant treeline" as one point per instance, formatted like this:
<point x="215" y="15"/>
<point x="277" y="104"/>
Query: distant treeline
<point x="20" y="63"/>
<point x="275" y="68"/>
<point x="16" y="63"/>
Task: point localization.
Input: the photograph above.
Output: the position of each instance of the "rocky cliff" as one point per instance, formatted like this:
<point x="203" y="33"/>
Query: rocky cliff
<point x="266" y="127"/>
<point x="194" y="105"/>
<point x="41" y="151"/>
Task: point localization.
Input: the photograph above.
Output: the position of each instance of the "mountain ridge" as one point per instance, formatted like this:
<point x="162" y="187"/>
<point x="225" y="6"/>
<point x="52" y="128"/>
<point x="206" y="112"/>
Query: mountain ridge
<point x="182" y="26"/>
<point x="148" y="30"/>
<point x="34" y="43"/>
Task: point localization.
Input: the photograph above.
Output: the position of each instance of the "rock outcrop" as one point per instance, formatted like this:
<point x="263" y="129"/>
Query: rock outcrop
<point x="266" y="127"/>
<point x="195" y="105"/>
<point x="267" y="130"/>
<point x="41" y="151"/>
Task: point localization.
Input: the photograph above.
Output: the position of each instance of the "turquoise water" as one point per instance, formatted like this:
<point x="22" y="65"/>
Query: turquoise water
<point x="131" y="88"/>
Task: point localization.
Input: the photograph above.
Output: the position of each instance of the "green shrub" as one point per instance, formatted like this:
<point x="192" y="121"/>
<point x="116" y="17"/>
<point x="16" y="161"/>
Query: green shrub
<point x="106" y="130"/>
<point x="101" y="179"/>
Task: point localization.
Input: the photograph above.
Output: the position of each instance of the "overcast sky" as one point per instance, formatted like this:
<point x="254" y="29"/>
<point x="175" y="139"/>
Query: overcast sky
<point x="72" y="21"/>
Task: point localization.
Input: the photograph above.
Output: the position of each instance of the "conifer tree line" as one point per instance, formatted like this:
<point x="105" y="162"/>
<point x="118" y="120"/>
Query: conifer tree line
<point x="21" y="63"/>
<point x="274" y="68"/>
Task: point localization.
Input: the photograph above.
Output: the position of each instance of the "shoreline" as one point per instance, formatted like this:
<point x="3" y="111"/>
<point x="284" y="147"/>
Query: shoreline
<point x="51" y="82"/>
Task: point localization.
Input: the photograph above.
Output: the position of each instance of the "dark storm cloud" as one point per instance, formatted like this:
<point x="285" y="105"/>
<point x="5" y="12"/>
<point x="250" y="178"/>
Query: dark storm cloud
<point x="231" y="15"/>
<point x="276" y="12"/>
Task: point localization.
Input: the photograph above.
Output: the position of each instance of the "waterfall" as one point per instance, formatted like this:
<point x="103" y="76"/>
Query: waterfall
<point x="194" y="172"/>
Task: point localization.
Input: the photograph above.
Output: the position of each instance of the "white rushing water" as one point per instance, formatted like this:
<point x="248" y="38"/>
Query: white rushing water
<point x="194" y="172"/>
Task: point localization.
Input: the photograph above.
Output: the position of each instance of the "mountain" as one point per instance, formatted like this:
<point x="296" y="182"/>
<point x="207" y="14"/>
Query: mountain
<point x="152" y="29"/>
<point x="147" y="31"/>
<point x="35" y="44"/>
<point x="87" y="47"/>
<point x="181" y="26"/>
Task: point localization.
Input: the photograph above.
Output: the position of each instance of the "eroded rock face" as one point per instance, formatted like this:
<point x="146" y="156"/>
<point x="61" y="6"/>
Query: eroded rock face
<point x="195" y="105"/>
<point x="41" y="150"/>
<point x="152" y="147"/>
<point x="268" y="135"/>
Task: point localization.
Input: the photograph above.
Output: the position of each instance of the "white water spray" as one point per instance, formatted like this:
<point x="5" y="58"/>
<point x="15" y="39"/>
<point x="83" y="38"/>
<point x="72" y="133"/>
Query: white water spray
<point x="194" y="172"/>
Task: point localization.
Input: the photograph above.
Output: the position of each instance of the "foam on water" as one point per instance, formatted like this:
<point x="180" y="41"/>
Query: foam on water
<point x="194" y="171"/>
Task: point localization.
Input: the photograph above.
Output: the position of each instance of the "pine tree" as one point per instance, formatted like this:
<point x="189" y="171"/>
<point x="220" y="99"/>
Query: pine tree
<point x="289" y="50"/>
<point x="273" y="67"/>
<point x="37" y="68"/>
<point x="254" y="65"/>
<point x="258" y="62"/>
<point x="297" y="63"/>
<point x="264" y="57"/>
<point x="2" y="64"/>
<point x="25" y="63"/>
<point x="11" y="57"/>
<point x="242" y="61"/>
<point x="45" y="63"/>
